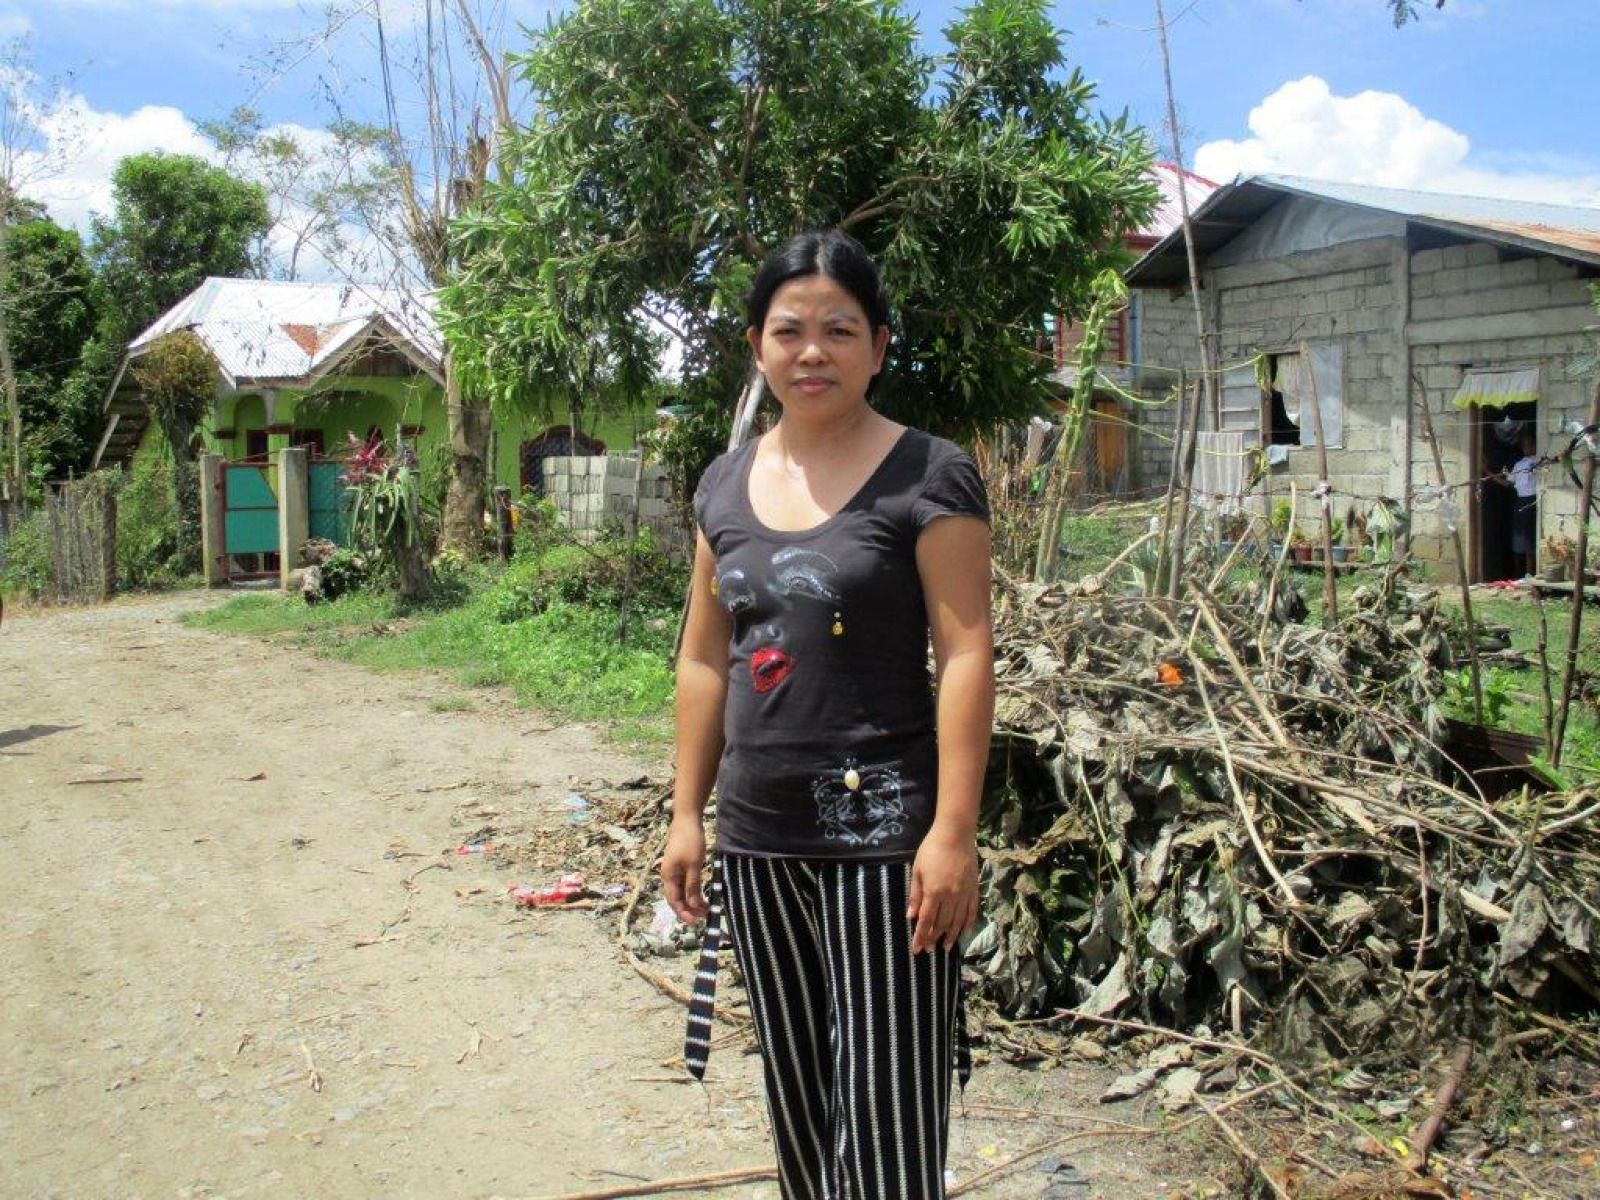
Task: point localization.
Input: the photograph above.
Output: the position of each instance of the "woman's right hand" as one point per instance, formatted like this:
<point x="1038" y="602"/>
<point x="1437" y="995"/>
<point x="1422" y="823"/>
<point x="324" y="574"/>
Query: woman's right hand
<point x="681" y="864"/>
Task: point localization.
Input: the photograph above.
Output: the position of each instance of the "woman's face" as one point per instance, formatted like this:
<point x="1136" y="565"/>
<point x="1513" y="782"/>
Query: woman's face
<point x="817" y="349"/>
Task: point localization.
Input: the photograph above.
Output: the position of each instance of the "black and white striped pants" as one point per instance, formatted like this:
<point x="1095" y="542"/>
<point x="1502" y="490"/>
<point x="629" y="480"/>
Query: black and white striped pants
<point x="858" y="1036"/>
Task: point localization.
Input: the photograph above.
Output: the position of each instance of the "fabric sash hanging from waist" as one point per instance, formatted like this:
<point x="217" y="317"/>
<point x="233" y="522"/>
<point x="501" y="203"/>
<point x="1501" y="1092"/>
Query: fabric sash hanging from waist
<point x="702" y="999"/>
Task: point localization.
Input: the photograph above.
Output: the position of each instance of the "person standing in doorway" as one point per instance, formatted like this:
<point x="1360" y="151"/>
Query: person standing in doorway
<point x="848" y="780"/>
<point x="1523" y="478"/>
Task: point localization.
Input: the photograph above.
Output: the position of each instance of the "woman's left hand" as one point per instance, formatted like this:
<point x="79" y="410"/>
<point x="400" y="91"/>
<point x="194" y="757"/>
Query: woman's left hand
<point x="944" y="891"/>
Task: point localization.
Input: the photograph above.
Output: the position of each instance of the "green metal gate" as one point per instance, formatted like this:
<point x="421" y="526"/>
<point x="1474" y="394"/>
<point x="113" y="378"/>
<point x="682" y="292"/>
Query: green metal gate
<point x="250" y="515"/>
<point x="328" y="505"/>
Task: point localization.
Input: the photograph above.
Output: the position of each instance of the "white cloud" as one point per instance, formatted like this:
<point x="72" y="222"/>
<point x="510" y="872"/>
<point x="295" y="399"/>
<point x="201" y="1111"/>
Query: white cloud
<point x="1380" y="138"/>
<point x="14" y="24"/>
<point x="74" y="149"/>
<point x="84" y="146"/>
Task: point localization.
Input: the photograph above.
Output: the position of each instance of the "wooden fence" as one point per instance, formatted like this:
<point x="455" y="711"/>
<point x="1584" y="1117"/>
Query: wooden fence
<point x="81" y="520"/>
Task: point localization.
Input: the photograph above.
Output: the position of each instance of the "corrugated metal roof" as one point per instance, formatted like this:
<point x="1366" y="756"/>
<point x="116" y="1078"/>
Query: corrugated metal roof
<point x="263" y="330"/>
<point x="1566" y="231"/>
<point x="1444" y="206"/>
<point x="1169" y="213"/>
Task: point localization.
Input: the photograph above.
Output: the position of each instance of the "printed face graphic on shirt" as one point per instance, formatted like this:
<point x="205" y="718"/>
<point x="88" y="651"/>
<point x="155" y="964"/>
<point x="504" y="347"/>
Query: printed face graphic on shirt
<point x="859" y="806"/>
<point x="799" y="581"/>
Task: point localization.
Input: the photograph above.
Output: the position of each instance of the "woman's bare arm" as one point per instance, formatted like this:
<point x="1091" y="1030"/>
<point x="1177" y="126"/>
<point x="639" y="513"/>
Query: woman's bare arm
<point x="953" y="562"/>
<point x="702" y="689"/>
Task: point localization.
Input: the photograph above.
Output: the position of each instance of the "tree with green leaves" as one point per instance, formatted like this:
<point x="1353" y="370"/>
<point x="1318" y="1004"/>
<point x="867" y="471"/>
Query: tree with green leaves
<point x="27" y="158"/>
<point x="677" y="141"/>
<point x="175" y="220"/>
<point x="178" y="378"/>
<point x="47" y="311"/>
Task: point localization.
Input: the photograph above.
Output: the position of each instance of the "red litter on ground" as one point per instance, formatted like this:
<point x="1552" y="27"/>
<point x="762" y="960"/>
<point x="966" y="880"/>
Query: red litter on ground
<point x="566" y="889"/>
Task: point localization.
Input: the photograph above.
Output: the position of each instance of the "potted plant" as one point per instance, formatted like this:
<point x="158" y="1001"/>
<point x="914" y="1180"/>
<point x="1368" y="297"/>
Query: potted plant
<point x="1559" y="551"/>
<point x="1282" y="513"/>
<point x="1300" y="546"/>
<point x="1231" y="530"/>
<point x="1341" y="552"/>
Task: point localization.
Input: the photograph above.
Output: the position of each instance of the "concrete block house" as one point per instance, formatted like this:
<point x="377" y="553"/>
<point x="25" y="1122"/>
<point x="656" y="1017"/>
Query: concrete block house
<point x="1480" y="309"/>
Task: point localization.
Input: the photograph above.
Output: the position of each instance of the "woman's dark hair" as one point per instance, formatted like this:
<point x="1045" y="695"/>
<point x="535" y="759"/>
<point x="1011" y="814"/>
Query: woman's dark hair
<point x="830" y="252"/>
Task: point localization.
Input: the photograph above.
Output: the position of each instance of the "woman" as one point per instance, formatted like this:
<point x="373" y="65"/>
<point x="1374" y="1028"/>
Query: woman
<point x="847" y="797"/>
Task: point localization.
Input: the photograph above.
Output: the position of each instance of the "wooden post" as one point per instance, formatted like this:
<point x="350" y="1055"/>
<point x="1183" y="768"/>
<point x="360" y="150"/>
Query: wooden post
<point x="502" y="521"/>
<point x="1575" y="621"/>
<point x="633" y="546"/>
<point x="108" y="543"/>
<point x="1330" y="583"/>
<point x="58" y="536"/>
<point x="1461" y="556"/>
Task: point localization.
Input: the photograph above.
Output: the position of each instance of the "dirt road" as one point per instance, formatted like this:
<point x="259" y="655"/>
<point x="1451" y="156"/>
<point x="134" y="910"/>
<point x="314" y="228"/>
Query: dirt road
<point x="209" y="989"/>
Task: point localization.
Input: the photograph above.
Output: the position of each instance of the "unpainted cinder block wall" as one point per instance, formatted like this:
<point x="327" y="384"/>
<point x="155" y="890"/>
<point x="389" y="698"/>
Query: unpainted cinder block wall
<point x="593" y="492"/>
<point x="1478" y="307"/>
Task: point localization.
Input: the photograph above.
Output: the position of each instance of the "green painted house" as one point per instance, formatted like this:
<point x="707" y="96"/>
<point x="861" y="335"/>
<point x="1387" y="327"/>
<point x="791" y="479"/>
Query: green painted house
<point x="309" y="364"/>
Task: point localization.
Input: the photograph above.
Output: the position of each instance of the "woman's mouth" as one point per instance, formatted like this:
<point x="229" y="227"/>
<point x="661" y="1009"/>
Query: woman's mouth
<point x="812" y="385"/>
<point x="769" y="667"/>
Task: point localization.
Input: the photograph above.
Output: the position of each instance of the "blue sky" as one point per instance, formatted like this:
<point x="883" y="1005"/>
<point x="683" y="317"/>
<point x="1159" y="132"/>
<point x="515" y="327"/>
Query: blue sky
<point x="1488" y="95"/>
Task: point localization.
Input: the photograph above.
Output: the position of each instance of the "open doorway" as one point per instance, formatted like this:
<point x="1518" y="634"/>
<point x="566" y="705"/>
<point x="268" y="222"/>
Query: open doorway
<point x="1506" y="544"/>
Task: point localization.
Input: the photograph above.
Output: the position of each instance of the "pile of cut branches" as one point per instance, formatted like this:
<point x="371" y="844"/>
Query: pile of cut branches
<point x="1210" y="816"/>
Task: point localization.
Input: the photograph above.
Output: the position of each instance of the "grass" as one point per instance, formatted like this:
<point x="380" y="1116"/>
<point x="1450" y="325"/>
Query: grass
<point x="1090" y="541"/>
<point x="564" y="657"/>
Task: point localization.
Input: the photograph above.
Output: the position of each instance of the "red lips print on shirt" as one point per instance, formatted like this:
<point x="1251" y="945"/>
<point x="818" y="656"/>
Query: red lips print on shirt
<point x="769" y="667"/>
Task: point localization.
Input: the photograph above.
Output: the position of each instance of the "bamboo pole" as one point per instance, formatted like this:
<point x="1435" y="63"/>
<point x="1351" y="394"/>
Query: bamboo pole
<point x="1172" y="474"/>
<point x="1330" y="582"/>
<point x="1575" y="621"/>
<point x="1208" y="366"/>
<point x="1461" y="555"/>
<point x="1187" y="491"/>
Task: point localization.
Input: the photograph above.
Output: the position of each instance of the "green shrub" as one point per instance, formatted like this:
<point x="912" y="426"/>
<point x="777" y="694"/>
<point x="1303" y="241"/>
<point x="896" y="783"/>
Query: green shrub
<point x="25" y="564"/>
<point x="593" y="576"/>
<point x="344" y="571"/>
<point x="147" y="525"/>
<point x="538" y="527"/>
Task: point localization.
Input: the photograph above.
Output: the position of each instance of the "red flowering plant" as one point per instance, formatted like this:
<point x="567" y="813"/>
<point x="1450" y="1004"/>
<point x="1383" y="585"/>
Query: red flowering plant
<point x="365" y="460"/>
<point x="386" y="513"/>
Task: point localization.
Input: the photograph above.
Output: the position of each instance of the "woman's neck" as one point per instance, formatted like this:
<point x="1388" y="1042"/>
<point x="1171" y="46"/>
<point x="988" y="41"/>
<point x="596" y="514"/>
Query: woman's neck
<point x="806" y="437"/>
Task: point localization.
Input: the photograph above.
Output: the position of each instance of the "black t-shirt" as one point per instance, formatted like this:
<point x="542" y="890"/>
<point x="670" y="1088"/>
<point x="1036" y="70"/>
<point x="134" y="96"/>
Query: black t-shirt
<point x="829" y="725"/>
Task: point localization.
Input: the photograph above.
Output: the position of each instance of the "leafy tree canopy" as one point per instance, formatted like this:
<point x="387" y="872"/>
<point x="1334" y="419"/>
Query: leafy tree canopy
<point x="175" y="220"/>
<point x="677" y="141"/>
<point x="48" y="313"/>
<point x="178" y="377"/>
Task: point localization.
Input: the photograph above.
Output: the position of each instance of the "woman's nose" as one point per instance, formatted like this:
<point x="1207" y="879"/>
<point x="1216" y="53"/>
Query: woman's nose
<point x="812" y="352"/>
